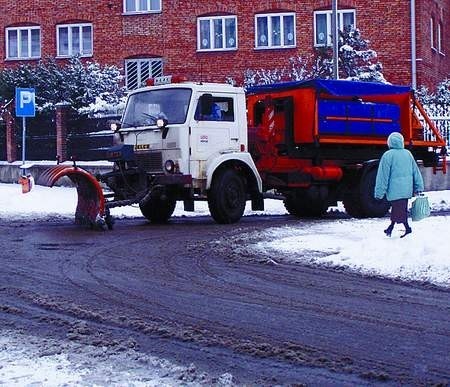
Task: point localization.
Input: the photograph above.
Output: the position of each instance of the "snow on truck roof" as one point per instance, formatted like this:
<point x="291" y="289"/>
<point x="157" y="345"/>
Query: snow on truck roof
<point x="334" y="87"/>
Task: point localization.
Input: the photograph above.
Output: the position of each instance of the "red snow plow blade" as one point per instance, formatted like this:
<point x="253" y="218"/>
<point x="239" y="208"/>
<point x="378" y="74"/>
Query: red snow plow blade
<point x="91" y="202"/>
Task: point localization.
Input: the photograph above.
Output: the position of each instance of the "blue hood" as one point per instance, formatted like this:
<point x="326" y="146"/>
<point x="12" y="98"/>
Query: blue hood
<point x="396" y="141"/>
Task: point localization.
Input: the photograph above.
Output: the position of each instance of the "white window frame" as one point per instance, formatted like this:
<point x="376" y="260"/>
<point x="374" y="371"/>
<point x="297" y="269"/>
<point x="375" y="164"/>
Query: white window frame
<point x="329" y="14"/>
<point x="138" y="10"/>
<point x="432" y="33"/>
<point x="439" y="38"/>
<point x="71" y="52"/>
<point x="211" y="33"/>
<point x="20" y="55"/>
<point x="270" y="44"/>
<point x="139" y="61"/>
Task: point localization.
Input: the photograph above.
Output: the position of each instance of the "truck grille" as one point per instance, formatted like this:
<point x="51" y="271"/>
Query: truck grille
<point x="149" y="161"/>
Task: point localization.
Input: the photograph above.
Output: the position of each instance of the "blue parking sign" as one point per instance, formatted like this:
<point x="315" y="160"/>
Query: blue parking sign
<point x="25" y="102"/>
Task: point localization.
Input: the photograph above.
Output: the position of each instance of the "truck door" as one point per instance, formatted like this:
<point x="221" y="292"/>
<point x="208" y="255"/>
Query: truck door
<point x="214" y="129"/>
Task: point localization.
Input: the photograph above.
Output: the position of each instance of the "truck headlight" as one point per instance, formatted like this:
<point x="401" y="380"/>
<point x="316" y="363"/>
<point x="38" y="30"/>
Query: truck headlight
<point x="169" y="166"/>
<point x="161" y="122"/>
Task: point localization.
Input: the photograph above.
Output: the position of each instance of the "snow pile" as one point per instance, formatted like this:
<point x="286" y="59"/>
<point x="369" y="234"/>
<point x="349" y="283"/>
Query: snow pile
<point x="60" y="202"/>
<point x="361" y="246"/>
<point x="27" y="360"/>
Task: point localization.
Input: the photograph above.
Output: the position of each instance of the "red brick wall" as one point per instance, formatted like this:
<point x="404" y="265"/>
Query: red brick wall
<point x="172" y="34"/>
<point x="432" y="64"/>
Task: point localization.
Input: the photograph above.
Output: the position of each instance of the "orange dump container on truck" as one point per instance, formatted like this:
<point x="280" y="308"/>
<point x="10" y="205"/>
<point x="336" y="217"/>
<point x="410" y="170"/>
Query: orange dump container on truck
<point x="319" y="141"/>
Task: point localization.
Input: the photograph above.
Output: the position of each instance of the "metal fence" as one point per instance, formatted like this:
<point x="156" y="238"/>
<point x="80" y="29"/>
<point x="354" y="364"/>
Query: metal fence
<point x="440" y="115"/>
<point x="87" y="138"/>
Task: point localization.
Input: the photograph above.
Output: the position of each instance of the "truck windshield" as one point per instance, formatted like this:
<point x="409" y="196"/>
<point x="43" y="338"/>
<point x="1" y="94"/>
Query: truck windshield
<point x="144" y="108"/>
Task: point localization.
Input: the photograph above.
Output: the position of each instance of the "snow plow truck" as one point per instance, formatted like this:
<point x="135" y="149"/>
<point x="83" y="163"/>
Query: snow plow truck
<point x="309" y="143"/>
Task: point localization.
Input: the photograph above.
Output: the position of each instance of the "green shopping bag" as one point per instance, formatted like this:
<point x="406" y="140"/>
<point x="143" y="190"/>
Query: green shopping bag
<point x="420" y="208"/>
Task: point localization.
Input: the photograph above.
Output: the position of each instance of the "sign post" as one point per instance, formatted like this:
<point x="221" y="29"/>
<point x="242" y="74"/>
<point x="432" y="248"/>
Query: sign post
<point x="25" y="107"/>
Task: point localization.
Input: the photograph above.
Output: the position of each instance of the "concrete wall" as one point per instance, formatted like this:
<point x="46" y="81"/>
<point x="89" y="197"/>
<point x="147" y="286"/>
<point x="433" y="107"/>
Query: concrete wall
<point x="10" y="173"/>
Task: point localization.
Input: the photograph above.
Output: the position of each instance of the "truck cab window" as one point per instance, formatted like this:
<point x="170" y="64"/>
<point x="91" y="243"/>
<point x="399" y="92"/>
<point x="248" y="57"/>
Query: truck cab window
<point x="214" y="108"/>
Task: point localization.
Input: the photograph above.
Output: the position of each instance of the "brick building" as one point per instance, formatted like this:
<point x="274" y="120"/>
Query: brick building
<point x="212" y="40"/>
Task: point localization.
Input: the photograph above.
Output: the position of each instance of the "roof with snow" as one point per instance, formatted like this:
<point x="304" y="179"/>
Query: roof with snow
<point x="334" y="87"/>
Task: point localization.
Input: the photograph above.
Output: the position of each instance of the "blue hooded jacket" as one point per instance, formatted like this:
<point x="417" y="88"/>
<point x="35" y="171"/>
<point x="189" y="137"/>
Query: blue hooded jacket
<point x="398" y="175"/>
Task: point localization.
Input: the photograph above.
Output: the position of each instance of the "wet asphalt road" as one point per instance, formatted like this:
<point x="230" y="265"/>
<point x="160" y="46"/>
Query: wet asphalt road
<point x="195" y="292"/>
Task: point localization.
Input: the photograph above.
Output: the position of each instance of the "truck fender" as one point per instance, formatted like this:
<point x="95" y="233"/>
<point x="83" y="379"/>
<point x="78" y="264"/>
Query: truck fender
<point x="91" y="201"/>
<point x="369" y="165"/>
<point x="217" y="161"/>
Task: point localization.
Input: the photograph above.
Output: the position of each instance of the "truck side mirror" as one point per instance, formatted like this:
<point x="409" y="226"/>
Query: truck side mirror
<point x="114" y="125"/>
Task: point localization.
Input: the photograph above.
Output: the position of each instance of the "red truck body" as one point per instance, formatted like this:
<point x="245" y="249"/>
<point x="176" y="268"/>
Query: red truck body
<point x="317" y="139"/>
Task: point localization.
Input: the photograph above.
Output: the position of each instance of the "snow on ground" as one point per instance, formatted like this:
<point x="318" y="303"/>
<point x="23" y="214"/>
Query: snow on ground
<point x="33" y="361"/>
<point x="356" y="244"/>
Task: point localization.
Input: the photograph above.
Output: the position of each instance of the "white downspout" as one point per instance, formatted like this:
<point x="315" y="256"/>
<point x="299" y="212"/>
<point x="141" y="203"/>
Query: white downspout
<point x="335" y="37"/>
<point x="413" y="46"/>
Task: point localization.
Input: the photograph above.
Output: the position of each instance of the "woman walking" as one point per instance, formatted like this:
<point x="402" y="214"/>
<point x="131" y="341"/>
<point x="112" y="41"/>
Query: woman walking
<point x="398" y="178"/>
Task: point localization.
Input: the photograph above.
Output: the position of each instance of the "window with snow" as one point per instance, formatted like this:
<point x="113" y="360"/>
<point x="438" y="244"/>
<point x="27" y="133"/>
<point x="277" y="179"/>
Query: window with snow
<point x="141" y="6"/>
<point x="74" y="39"/>
<point x="275" y="30"/>
<point x="23" y="43"/>
<point x="216" y="33"/>
<point x="137" y="71"/>
<point x="322" y="25"/>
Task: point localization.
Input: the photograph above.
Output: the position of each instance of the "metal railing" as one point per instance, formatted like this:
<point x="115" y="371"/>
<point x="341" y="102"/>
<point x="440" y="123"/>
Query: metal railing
<point x="439" y="114"/>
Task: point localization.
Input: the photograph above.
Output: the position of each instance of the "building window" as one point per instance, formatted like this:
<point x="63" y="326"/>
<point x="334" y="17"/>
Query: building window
<point x="23" y="43"/>
<point x="137" y="71"/>
<point x="141" y="6"/>
<point x="275" y="30"/>
<point x="439" y="38"/>
<point x="433" y="44"/>
<point x="216" y="33"/>
<point x="322" y="25"/>
<point x="74" y="39"/>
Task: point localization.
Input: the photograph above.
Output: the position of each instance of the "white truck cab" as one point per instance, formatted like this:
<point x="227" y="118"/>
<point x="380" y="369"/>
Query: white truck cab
<point x="190" y="134"/>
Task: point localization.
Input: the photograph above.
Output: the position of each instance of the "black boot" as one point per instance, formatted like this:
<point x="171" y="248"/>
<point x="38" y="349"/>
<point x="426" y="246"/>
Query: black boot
<point x="388" y="231"/>
<point x="408" y="230"/>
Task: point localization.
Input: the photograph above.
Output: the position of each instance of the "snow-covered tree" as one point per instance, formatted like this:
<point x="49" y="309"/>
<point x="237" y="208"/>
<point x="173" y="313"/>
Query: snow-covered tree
<point x="78" y="83"/>
<point x="437" y="104"/>
<point x="356" y="62"/>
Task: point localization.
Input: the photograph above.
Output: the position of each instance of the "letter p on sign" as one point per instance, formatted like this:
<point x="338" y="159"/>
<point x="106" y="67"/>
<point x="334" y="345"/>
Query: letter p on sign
<point x="25" y="102"/>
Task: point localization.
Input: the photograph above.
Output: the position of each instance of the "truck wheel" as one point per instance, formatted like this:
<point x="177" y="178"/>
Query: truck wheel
<point x="306" y="203"/>
<point x="158" y="209"/>
<point x="360" y="202"/>
<point x="227" y="197"/>
<point x="372" y="208"/>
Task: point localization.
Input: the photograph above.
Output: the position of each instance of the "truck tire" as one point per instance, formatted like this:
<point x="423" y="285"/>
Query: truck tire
<point x="306" y="203"/>
<point x="158" y="208"/>
<point x="372" y="208"/>
<point x="227" y="197"/>
<point x="360" y="202"/>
